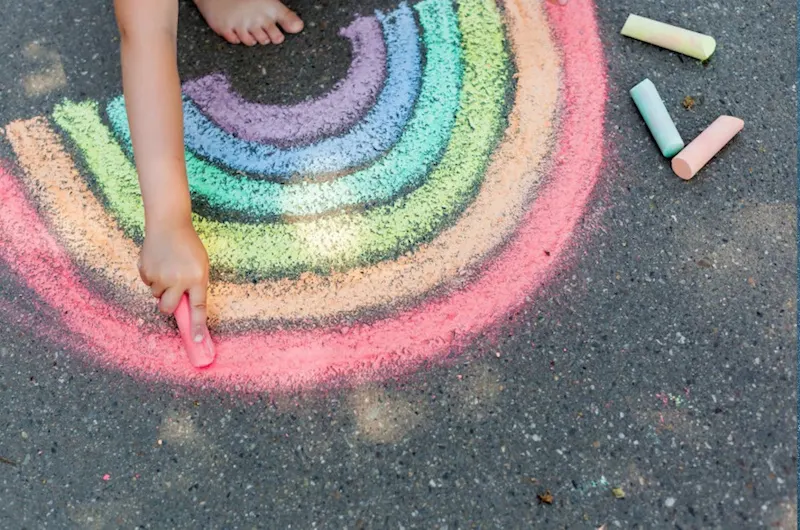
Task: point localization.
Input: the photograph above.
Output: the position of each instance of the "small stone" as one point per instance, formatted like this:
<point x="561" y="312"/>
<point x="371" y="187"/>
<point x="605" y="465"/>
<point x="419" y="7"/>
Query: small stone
<point x="705" y="263"/>
<point x="24" y="435"/>
<point x="670" y="502"/>
<point x="618" y="493"/>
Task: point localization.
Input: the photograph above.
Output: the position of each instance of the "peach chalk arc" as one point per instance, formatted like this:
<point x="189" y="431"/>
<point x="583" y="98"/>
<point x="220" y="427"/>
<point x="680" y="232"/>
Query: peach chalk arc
<point x="703" y="148"/>
<point x="510" y="181"/>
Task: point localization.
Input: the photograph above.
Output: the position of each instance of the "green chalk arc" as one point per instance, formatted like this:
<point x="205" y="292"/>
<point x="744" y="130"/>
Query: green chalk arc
<point x="231" y="197"/>
<point x="342" y="241"/>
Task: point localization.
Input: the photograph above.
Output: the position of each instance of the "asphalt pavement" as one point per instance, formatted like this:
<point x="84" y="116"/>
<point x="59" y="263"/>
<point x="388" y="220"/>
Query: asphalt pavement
<point x="652" y="384"/>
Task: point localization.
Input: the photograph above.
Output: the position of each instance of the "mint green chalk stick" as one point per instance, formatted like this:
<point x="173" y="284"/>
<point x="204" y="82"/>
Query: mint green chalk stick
<point x="670" y="37"/>
<point x="657" y="118"/>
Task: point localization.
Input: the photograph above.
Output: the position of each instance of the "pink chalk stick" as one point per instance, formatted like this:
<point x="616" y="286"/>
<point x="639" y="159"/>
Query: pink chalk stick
<point x="703" y="148"/>
<point x="201" y="354"/>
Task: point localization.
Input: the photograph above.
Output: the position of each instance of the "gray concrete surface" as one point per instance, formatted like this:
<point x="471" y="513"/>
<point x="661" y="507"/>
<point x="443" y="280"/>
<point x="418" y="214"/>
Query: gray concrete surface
<point x="663" y="358"/>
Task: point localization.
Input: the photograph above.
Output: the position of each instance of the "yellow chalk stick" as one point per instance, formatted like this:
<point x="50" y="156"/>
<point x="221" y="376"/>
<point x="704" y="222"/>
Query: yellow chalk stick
<point x="670" y="37"/>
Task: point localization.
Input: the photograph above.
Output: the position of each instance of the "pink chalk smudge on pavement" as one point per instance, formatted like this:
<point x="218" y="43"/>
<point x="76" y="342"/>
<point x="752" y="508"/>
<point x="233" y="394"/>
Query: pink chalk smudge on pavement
<point x="288" y="358"/>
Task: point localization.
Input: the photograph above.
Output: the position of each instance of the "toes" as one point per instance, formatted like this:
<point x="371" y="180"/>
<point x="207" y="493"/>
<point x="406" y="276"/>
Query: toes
<point x="231" y="37"/>
<point x="290" y="22"/>
<point x="274" y="33"/>
<point x="245" y="37"/>
<point x="260" y="35"/>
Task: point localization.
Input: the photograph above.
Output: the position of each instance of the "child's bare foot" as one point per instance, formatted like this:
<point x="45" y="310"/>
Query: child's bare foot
<point x="249" y="21"/>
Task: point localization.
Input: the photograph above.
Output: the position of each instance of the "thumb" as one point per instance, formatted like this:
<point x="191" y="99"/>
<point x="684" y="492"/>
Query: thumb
<point x="197" y="307"/>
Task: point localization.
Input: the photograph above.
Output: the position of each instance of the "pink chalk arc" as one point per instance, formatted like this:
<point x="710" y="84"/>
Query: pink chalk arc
<point x="283" y="359"/>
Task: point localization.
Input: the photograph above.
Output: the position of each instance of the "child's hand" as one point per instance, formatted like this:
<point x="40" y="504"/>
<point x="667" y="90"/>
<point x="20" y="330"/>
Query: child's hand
<point x="174" y="261"/>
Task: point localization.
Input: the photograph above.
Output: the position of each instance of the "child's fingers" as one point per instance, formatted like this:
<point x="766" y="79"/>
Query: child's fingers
<point x="157" y="289"/>
<point x="169" y="300"/>
<point x="142" y="273"/>
<point x="197" y="304"/>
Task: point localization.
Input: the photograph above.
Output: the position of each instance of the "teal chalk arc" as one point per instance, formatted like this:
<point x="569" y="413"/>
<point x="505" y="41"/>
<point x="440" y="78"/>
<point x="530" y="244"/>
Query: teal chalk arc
<point x="232" y="197"/>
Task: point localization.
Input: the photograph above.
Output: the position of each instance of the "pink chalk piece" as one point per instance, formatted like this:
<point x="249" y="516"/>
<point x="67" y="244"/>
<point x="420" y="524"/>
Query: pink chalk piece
<point x="703" y="148"/>
<point x="201" y="354"/>
<point x="106" y="477"/>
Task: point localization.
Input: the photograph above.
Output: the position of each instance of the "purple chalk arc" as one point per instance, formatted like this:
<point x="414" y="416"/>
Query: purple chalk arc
<point x="305" y="122"/>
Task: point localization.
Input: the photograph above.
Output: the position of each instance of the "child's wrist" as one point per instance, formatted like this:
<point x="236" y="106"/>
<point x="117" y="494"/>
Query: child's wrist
<point x="175" y="218"/>
<point x="167" y="204"/>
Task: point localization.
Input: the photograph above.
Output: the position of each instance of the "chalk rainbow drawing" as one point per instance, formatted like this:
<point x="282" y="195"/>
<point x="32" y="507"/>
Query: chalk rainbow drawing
<point x="391" y="221"/>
